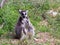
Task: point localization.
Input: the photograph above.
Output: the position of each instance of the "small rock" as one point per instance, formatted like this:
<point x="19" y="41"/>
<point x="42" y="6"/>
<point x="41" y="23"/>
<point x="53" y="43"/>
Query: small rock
<point x="52" y="13"/>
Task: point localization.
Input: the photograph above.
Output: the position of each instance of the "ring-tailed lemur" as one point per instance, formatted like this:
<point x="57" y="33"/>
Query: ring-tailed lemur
<point x="24" y="28"/>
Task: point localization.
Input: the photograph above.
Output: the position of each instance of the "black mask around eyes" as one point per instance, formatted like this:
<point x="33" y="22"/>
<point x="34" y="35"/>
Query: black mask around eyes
<point x="23" y="13"/>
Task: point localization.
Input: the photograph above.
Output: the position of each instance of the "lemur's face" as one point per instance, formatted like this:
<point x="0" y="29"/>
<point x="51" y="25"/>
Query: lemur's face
<point x="23" y="13"/>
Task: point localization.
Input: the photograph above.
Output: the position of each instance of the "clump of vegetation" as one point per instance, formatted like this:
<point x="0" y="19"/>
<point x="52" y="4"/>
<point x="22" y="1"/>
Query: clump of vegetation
<point x="9" y="15"/>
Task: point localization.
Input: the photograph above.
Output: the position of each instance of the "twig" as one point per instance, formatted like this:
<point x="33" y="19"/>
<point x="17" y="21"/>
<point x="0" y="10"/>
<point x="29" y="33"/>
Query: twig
<point x="2" y="3"/>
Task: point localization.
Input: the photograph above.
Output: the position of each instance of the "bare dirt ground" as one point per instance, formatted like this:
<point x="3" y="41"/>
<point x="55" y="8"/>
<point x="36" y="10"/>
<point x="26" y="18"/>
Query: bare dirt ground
<point x="41" y="38"/>
<point x="46" y="38"/>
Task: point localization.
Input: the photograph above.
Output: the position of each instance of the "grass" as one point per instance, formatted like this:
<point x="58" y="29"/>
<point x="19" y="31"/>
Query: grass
<point x="9" y="15"/>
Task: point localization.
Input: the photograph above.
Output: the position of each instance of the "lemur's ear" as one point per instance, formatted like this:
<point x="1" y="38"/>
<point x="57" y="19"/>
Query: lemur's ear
<point x="20" y="10"/>
<point x="26" y="11"/>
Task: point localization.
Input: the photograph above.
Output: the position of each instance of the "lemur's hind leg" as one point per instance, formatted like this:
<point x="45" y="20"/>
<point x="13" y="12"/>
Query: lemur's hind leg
<point x="18" y="31"/>
<point x="30" y="31"/>
<point x="24" y="33"/>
